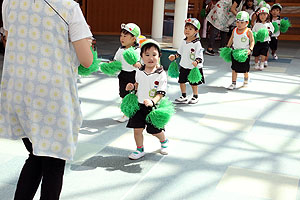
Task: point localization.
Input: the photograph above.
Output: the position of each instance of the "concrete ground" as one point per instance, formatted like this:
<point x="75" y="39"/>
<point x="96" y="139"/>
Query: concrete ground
<point x="232" y="145"/>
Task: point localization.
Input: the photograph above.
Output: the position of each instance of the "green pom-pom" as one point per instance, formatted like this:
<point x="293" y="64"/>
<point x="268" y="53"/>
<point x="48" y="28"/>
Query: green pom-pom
<point x="130" y="56"/>
<point x="93" y="68"/>
<point x="160" y="116"/>
<point x="284" y="25"/>
<point x="173" y="71"/>
<point x="195" y="75"/>
<point x="130" y="105"/>
<point x="276" y="27"/>
<point x="111" y="68"/>
<point x="262" y="34"/>
<point x="255" y="37"/>
<point x="225" y="53"/>
<point x="240" y="55"/>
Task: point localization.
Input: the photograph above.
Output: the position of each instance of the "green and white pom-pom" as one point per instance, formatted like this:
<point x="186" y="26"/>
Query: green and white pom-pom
<point x="130" y="105"/>
<point x="93" y="68"/>
<point x="225" y="53"/>
<point x="173" y="71"/>
<point x="262" y="34"/>
<point x="284" y="25"/>
<point x="255" y="37"/>
<point x="240" y="55"/>
<point x="112" y="68"/>
<point x="276" y="27"/>
<point x="194" y="75"/>
<point x="130" y="56"/>
<point x="161" y="115"/>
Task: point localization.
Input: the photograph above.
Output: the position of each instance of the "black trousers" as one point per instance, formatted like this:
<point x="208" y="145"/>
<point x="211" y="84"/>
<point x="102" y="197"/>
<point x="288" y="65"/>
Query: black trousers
<point x="36" y="169"/>
<point x="213" y="33"/>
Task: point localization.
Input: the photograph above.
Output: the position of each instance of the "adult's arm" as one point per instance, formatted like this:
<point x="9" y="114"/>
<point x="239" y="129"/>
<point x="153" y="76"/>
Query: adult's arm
<point x="233" y="8"/>
<point x="83" y="52"/>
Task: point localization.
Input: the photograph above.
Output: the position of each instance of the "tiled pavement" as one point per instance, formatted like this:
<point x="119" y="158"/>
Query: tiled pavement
<point x="232" y="145"/>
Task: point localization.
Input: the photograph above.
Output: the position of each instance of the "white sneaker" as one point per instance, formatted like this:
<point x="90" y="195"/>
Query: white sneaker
<point x="256" y="66"/>
<point x="124" y="118"/>
<point x="193" y="100"/>
<point x="164" y="148"/>
<point x="261" y="67"/>
<point x="181" y="99"/>
<point x="265" y="64"/>
<point x="232" y="87"/>
<point x="275" y="56"/>
<point x="136" y="155"/>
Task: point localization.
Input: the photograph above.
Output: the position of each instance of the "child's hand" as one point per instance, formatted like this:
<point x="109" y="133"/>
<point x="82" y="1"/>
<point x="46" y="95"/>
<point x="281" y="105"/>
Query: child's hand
<point x="249" y="51"/>
<point x="172" y="57"/>
<point x="129" y="86"/>
<point x="137" y="65"/>
<point x="195" y="63"/>
<point x="148" y="103"/>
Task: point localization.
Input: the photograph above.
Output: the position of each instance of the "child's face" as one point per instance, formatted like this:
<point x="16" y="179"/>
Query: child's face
<point x="151" y="57"/>
<point x="190" y="31"/>
<point x="127" y="40"/>
<point x="263" y="16"/>
<point x="250" y="3"/>
<point x="241" y="24"/>
<point x="275" y="12"/>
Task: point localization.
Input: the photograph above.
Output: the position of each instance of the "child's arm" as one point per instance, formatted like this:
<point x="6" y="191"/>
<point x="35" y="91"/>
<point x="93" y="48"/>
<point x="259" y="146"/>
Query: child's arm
<point x="131" y="86"/>
<point x="230" y="41"/>
<point x="174" y="56"/>
<point x="250" y="34"/>
<point x="155" y="100"/>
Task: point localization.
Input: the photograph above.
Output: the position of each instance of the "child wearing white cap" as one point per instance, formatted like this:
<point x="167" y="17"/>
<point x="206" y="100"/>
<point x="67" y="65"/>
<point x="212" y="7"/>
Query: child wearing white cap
<point x="191" y="53"/>
<point x="241" y="38"/>
<point x="275" y="18"/>
<point x="128" y="38"/>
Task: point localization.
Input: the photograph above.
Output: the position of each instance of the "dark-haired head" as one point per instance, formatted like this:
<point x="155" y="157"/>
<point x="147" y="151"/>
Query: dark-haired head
<point x="148" y="46"/>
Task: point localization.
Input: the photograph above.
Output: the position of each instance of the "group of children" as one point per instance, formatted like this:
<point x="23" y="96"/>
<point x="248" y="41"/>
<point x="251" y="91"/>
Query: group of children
<point x="149" y="81"/>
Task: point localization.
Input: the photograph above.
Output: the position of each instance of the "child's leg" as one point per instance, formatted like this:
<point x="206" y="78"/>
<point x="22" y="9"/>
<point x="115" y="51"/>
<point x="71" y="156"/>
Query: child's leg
<point x="194" y="99"/>
<point x="256" y="59"/>
<point x="139" y="139"/>
<point x="163" y="142"/>
<point x="183" y="89"/>
<point x="246" y="78"/>
<point x="262" y="63"/>
<point x="233" y="84"/>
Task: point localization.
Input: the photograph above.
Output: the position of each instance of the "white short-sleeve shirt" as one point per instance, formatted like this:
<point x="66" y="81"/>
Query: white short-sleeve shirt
<point x="267" y="25"/>
<point x="119" y="57"/>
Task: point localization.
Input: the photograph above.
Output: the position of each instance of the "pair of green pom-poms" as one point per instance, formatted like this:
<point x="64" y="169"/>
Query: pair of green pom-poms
<point x="130" y="105"/>
<point x="173" y="71"/>
<point x="284" y="25"/>
<point x="111" y="68"/>
<point x="130" y="56"/>
<point x="225" y="53"/>
<point x="240" y="55"/>
<point x="161" y="115"/>
<point x="276" y="27"/>
<point x="194" y="75"/>
<point x="93" y="68"/>
<point x="262" y="34"/>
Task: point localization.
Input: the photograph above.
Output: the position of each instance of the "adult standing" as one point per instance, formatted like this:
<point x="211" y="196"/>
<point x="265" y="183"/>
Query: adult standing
<point x="46" y="42"/>
<point x="221" y="17"/>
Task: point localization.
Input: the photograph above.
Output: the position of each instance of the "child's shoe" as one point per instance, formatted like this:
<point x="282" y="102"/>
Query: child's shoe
<point x="265" y="64"/>
<point x="193" y="100"/>
<point x="245" y="83"/>
<point x="164" y="147"/>
<point x="136" y="155"/>
<point x="232" y="87"/>
<point x="275" y="57"/>
<point x="181" y="99"/>
<point x="261" y="67"/>
<point x="256" y="66"/>
<point x="124" y="118"/>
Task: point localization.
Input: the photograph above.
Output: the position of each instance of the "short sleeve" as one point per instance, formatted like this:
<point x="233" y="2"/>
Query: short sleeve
<point x="180" y="50"/>
<point x="199" y="50"/>
<point x="78" y="26"/>
<point x="117" y="55"/>
<point x="162" y="82"/>
<point x="4" y="14"/>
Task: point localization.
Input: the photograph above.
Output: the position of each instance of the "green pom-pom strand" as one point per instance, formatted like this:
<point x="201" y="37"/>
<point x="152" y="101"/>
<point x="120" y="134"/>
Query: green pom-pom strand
<point x="194" y="75"/>
<point x="161" y="115"/>
<point x="173" y="71"/>
<point x="225" y="53"/>
<point x="130" y="105"/>
<point x="130" y="56"/>
<point x="93" y="68"/>
<point x="262" y="34"/>
<point x="276" y="27"/>
<point x="112" y="68"/>
<point x="240" y="55"/>
<point x="284" y="25"/>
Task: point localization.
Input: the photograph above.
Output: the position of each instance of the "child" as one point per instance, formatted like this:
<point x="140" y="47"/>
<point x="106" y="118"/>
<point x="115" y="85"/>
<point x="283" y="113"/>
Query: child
<point x="241" y="38"/>
<point x="275" y="17"/>
<point x="128" y="38"/>
<point x="261" y="48"/>
<point x="249" y="7"/>
<point x="191" y="53"/>
<point x="151" y="85"/>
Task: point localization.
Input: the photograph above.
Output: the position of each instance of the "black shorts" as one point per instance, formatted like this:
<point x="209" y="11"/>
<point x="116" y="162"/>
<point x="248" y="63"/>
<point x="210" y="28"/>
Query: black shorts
<point x="260" y="48"/>
<point x="273" y="43"/>
<point x="240" y="67"/>
<point x="139" y="120"/>
<point x="125" y="78"/>
<point x="184" y="73"/>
